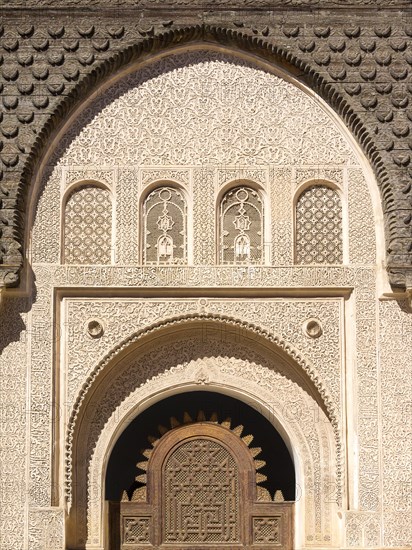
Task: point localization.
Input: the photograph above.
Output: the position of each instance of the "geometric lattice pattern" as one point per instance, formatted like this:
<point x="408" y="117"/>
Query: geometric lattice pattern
<point x="136" y="530"/>
<point x="201" y="502"/>
<point x="88" y="226"/>
<point x="319" y="226"/>
<point x="266" y="530"/>
<point x="241" y="227"/>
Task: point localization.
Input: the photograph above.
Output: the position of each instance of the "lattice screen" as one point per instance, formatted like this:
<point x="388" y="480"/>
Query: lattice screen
<point x="241" y="227"/>
<point x="319" y="226"/>
<point x="266" y="530"/>
<point x="201" y="494"/>
<point x="136" y="530"/>
<point x="165" y="227"/>
<point x="88" y="226"/>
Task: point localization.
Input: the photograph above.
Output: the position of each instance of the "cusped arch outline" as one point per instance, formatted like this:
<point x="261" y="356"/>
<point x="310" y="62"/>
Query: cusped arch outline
<point x="202" y="35"/>
<point x="256" y="332"/>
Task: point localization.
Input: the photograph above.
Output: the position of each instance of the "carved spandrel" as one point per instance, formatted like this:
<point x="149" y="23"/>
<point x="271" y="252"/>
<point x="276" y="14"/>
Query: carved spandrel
<point x="219" y="133"/>
<point x="282" y="318"/>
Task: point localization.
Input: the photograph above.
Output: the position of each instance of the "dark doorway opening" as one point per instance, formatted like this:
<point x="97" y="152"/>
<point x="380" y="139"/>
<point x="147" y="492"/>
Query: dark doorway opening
<point x="122" y="469"/>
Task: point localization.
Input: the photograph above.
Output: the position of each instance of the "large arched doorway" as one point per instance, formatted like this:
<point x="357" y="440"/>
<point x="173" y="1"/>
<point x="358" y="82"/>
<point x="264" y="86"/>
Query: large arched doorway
<point x="216" y="472"/>
<point x="252" y="370"/>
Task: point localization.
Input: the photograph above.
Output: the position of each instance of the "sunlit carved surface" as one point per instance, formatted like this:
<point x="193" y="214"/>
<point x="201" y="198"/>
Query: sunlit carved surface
<point x="88" y="226"/>
<point x="243" y="115"/>
<point x="200" y="123"/>
<point x="319" y="226"/>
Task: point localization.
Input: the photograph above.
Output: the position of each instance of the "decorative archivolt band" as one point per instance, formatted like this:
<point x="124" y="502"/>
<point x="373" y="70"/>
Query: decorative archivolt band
<point x="177" y="322"/>
<point x="173" y="38"/>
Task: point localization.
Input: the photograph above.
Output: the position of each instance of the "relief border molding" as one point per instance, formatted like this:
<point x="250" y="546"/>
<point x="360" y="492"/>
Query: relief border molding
<point x="381" y="132"/>
<point x="208" y="4"/>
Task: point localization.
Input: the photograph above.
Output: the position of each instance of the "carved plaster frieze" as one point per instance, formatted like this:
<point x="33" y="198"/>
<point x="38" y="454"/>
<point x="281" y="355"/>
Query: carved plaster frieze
<point x="329" y="279"/>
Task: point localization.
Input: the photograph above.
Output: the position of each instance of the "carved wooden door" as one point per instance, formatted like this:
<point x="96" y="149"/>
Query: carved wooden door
<point x="202" y="494"/>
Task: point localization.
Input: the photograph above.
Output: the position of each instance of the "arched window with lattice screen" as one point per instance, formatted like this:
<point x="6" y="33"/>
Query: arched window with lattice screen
<point x="318" y="238"/>
<point x="165" y="227"/>
<point x="241" y="226"/>
<point x="88" y="226"/>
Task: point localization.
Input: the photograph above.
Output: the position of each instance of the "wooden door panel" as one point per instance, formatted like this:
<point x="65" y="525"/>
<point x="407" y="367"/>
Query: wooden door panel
<point x="201" y="495"/>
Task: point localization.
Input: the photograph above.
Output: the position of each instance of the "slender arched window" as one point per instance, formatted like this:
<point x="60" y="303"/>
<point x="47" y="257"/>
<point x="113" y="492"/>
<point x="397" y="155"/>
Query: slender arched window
<point x="88" y="226"/>
<point x="165" y="227"/>
<point x="241" y="226"/>
<point x="319" y="226"/>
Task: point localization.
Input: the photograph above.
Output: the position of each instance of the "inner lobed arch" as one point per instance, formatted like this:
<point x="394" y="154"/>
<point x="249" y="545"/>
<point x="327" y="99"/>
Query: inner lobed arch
<point x="121" y="469"/>
<point x="213" y="334"/>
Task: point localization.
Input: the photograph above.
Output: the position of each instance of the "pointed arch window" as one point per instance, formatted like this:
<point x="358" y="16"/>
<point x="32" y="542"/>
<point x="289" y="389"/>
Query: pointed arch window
<point x="165" y="227"/>
<point x="318" y="238"/>
<point x="241" y="226"/>
<point x="88" y="226"/>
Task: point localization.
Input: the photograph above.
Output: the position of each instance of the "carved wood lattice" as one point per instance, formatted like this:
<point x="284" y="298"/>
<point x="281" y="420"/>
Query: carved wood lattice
<point x="201" y="493"/>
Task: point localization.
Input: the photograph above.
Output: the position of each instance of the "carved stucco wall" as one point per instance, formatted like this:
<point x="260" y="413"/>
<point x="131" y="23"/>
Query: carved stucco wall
<point x="204" y="108"/>
<point x="14" y="424"/>
<point x="350" y="325"/>
<point x="395" y="345"/>
<point x="358" y="60"/>
<point x="278" y="318"/>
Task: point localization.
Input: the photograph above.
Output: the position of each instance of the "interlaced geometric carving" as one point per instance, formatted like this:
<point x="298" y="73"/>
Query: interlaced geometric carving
<point x="165" y="234"/>
<point x="266" y="529"/>
<point x="136" y="530"/>
<point x="201" y="494"/>
<point x="319" y="226"/>
<point x="241" y="227"/>
<point x="88" y="226"/>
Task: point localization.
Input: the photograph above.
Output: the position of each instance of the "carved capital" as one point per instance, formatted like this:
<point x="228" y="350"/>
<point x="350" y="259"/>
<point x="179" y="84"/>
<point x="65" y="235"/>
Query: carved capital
<point x="9" y="276"/>
<point x="409" y="295"/>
